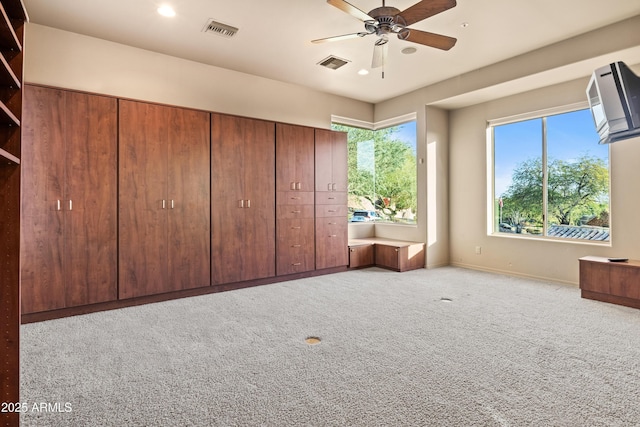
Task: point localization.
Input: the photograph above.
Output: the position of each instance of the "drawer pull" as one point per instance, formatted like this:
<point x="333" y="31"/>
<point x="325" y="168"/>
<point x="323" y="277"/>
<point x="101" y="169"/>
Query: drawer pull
<point x="296" y="264"/>
<point x="295" y="212"/>
<point x="296" y="228"/>
<point x="332" y="210"/>
<point x="296" y="246"/>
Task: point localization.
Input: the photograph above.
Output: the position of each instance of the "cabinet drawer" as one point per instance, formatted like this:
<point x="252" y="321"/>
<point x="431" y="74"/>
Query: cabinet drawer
<point x="294" y="211"/>
<point x="331" y="211"/>
<point x="331" y="198"/>
<point x="295" y="198"/>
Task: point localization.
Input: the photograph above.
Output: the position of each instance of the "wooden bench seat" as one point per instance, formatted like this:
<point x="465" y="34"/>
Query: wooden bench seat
<point x="397" y="255"/>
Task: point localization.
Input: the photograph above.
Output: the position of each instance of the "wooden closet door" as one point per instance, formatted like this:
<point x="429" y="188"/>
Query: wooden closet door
<point x="42" y="248"/>
<point x="323" y="159"/>
<point x="242" y="199"/>
<point x="189" y="201"/>
<point x="227" y="195"/>
<point x="259" y="187"/>
<point x="339" y="160"/>
<point x="90" y="203"/>
<point x="143" y="188"/>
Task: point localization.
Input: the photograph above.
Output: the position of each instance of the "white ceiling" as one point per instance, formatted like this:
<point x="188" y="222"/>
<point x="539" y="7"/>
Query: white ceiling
<point x="274" y="36"/>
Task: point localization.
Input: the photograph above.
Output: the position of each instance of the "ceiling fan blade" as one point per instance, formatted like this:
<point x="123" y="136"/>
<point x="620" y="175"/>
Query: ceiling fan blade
<point x="425" y="9"/>
<point x="379" y="55"/>
<point x="339" y="38"/>
<point x="428" y="39"/>
<point x="350" y="9"/>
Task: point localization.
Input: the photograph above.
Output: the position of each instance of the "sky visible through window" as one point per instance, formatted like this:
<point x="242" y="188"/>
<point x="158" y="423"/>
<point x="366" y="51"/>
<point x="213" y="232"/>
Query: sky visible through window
<point x="569" y="136"/>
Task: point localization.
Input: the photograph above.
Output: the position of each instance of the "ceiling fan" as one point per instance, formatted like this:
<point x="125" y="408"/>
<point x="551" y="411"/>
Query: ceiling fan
<point x="383" y="21"/>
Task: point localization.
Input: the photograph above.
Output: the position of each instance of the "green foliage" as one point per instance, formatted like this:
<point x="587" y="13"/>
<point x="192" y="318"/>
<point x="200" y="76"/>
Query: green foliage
<point x="575" y="189"/>
<point x="381" y="169"/>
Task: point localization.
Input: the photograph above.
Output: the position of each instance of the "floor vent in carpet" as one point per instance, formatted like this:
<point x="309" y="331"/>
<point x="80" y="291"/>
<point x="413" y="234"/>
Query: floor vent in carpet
<point x="312" y="340"/>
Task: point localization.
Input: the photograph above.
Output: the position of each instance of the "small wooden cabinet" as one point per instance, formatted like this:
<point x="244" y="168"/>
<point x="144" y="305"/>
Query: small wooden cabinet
<point x="614" y="282"/>
<point x="69" y="218"/>
<point x="243" y="202"/>
<point x="361" y="255"/>
<point x="295" y="243"/>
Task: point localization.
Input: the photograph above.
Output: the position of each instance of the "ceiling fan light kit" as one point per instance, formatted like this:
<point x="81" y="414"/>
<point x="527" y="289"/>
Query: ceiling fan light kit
<point x="385" y="20"/>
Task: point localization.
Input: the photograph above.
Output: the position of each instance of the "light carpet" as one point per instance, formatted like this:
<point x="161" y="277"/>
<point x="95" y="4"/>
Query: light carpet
<point x="441" y="347"/>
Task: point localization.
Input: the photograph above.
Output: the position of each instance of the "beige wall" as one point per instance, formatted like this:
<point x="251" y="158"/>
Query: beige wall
<point x="545" y="259"/>
<point x="68" y="60"/>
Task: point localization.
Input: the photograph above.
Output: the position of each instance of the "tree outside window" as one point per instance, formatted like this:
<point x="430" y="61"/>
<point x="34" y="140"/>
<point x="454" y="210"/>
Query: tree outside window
<point x="551" y="177"/>
<point x="382" y="172"/>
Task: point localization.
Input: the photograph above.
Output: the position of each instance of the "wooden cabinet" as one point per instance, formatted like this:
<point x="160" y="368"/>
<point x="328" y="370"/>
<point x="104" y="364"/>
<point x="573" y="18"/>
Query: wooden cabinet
<point x="11" y="59"/>
<point x="331" y="199"/>
<point x="243" y="199"/>
<point x="164" y="201"/>
<point x="361" y="255"/>
<point x="69" y="223"/>
<point x="295" y="243"/>
<point x="614" y="282"/>
<point x="399" y="256"/>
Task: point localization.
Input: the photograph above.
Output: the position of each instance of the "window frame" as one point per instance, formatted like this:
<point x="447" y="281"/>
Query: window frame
<point x="383" y="124"/>
<point x="490" y="150"/>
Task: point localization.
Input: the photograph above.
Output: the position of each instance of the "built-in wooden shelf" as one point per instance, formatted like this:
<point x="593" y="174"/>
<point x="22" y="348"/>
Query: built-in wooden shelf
<point x="7" y="118"/>
<point x="8" y="37"/>
<point x="8" y="158"/>
<point x="7" y="75"/>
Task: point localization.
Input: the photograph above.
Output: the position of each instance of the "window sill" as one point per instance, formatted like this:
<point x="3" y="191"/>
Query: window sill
<point x="606" y="243"/>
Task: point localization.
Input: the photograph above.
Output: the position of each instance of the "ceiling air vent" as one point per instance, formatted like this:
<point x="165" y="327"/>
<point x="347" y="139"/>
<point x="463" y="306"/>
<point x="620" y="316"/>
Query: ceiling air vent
<point x="333" y="62"/>
<point x="220" y="29"/>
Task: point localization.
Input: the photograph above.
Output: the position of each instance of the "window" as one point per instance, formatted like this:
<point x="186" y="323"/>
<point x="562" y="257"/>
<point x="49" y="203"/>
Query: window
<point x="382" y="173"/>
<point x="551" y="177"/>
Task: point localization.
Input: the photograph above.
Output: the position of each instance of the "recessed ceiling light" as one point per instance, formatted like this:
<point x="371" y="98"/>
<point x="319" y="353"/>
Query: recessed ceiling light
<point x="167" y="11"/>
<point x="363" y="72"/>
<point x="409" y="50"/>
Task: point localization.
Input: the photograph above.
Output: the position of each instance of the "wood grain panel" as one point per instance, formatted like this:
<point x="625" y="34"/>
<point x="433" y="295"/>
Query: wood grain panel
<point x="227" y="191"/>
<point x="243" y="199"/>
<point x="323" y="160"/>
<point x="90" y="203"/>
<point x="259" y="188"/>
<point x="331" y="243"/>
<point x="189" y="221"/>
<point x="43" y="161"/>
<point x="295" y="157"/>
<point x="143" y="186"/>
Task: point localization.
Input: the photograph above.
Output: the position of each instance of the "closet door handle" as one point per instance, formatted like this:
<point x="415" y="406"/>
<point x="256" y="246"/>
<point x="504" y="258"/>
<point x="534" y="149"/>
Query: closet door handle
<point x="298" y="185"/>
<point x="70" y="205"/>
<point x="164" y="204"/>
<point x="292" y="186"/>
<point x="58" y="207"/>
<point x="172" y="203"/>
<point x="333" y="187"/>
<point x="248" y="203"/>
<point x="241" y="203"/>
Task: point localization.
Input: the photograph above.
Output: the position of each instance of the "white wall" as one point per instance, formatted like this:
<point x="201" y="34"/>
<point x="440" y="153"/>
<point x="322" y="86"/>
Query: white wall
<point x="68" y="60"/>
<point x="530" y="257"/>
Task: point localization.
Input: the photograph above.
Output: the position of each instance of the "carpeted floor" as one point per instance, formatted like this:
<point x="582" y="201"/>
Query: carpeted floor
<point x="442" y="347"/>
